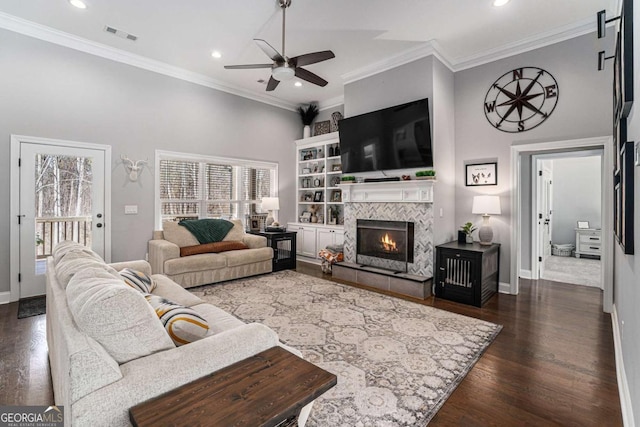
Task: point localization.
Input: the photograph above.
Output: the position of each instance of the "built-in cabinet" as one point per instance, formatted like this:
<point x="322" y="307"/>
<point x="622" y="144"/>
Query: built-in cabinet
<point x="319" y="203"/>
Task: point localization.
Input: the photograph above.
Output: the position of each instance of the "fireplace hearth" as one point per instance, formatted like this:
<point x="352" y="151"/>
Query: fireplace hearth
<point x="385" y="244"/>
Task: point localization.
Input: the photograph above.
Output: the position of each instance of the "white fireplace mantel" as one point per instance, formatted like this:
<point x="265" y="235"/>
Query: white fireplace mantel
<point x="414" y="191"/>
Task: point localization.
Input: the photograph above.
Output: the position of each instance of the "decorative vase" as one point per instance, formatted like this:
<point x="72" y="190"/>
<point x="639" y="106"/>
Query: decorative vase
<point x="462" y="237"/>
<point x="335" y="118"/>
<point x="469" y="238"/>
<point x="306" y="131"/>
<point x="314" y="218"/>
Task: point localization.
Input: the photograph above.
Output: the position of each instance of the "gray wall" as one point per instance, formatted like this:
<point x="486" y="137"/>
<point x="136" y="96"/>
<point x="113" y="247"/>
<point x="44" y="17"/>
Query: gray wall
<point x="55" y="92"/>
<point x="424" y="78"/>
<point x="583" y="110"/>
<point x="627" y="267"/>
<point x="576" y="196"/>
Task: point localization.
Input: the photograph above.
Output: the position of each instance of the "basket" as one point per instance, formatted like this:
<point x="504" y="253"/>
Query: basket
<point x="562" y="250"/>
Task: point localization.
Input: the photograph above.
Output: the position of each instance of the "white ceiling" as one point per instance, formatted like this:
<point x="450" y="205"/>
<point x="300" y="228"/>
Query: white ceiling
<point x="363" y="34"/>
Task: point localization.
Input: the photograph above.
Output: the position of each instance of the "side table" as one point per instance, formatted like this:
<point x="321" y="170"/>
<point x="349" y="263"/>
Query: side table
<point x="265" y="390"/>
<point x="283" y="244"/>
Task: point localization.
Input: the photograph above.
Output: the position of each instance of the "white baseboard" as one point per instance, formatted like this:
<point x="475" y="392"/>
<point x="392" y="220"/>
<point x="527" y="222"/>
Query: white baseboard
<point x="525" y="274"/>
<point x="623" y="386"/>
<point x="504" y="288"/>
<point x="5" y="297"/>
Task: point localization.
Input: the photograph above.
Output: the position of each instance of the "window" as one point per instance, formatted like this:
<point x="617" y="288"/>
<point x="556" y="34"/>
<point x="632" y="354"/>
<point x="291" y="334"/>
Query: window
<point x="189" y="186"/>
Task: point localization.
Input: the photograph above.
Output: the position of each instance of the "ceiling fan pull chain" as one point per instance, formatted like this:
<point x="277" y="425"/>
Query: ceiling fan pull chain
<point x="284" y="11"/>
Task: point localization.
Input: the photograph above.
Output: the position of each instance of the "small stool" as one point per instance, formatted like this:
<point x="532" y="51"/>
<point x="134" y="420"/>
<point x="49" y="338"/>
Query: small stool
<point x="330" y="255"/>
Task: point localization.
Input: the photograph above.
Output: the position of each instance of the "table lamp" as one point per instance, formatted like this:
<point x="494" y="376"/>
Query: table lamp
<point x="270" y="204"/>
<point x="486" y="206"/>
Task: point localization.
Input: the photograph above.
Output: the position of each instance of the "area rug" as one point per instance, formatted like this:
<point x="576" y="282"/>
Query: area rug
<point x="32" y="307"/>
<point x="577" y="271"/>
<point x="396" y="361"/>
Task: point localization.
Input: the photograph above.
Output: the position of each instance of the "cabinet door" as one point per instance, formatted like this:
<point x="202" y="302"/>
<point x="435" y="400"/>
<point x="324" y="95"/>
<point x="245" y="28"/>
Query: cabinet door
<point x="299" y="236"/>
<point x="338" y="237"/>
<point x="325" y="238"/>
<point x="307" y="242"/>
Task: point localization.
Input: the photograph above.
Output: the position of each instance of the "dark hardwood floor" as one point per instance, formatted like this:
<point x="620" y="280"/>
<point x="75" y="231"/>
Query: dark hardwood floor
<point x="551" y="365"/>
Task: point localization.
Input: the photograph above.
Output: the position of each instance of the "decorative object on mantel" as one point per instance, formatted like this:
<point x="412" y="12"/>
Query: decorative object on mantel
<point x="427" y="174"/>
<point x="307" y="115"/>
<point x="464" y="234"/>
<point x="335" y="119"/>
<point x="348" y="179"/>
<point x="486" y="206"/>
<point x="481" y="174"/>
<point x="320" y="128"/>
<point x="521" y="99"/>
<point x="134" y="167"/>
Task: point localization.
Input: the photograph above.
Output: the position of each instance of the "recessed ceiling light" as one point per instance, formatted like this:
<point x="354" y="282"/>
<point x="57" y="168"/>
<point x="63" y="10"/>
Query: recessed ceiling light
<point x="216" y="54"/>
<point x="498" y="3"/>
<point x="297" y="84"/>
<point x="78" y="3"/>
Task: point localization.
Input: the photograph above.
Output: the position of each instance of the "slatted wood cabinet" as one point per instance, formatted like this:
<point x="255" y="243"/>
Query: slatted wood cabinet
<point x="467" y="272"/>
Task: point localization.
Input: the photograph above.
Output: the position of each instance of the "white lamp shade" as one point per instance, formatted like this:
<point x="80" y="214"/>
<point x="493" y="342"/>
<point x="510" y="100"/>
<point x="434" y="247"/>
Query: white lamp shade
<point x="486" y="205"/>
<point x="270" y="203"/>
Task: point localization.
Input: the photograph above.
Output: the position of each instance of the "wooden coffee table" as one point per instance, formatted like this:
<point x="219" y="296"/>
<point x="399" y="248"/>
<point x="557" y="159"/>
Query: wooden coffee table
<point x="268" y="389"/>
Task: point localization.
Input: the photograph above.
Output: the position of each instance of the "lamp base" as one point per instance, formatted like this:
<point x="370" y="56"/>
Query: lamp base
<point x="485" y="233"/>
<point x="270" y="219"/>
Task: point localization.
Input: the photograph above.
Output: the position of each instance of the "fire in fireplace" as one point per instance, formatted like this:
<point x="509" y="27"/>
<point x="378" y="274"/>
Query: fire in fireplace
<point x="384" y="240"/>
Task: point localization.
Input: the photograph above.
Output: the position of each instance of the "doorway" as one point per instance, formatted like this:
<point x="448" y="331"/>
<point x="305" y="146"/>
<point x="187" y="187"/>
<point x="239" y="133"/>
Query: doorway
<point x="518" y="152"/>
<point x="59" y="191"/>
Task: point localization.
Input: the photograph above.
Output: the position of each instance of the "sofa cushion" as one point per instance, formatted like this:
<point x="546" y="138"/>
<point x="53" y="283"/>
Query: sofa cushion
<point x="115" y="315"/>
<point x="138" y="280"/>
<point x="68" y="247"/>
<point x="236" y="233"/>
<point x="178" y="235"/>
<point x="183" y="324"/>
<point x="219" y="320"/>
<point x="248" y="256"/>
<point x="193" y="263"/>
<point x="70" y="265"/>
<point x="215" y="247"/>
<point x="170" y="290"/>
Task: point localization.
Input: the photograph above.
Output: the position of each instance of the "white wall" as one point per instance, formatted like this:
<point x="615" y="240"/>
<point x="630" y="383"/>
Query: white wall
<point x="583" y="110"/>
<point x="576" y="196"/>
<point x="55" y="92"/>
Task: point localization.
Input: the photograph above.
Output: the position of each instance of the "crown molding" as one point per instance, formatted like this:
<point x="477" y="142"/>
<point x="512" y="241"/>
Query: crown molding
<point x="527" y="44"/>
<point x="331" y="103"/>
<point x="48" y="34"/>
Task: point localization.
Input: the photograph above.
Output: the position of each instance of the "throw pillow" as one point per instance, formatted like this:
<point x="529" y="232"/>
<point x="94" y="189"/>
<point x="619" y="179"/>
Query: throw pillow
<point x="214" y="247"/>
<point x="115" y="315"/>
<point x="138" y="280"/>
<point x="178" y="235"/>
<point x="183" y="324"/>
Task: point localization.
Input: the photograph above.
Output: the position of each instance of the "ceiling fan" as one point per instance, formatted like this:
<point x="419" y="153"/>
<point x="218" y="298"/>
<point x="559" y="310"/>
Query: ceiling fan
<point x="284" y="68"/>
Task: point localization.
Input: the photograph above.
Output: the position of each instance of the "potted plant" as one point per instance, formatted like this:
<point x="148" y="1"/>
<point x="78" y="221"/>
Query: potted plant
<point x="466" y="231"/>
<point x="427" y="174"/>
<point x="307" y="115"/>
<point x="347" y="179"/>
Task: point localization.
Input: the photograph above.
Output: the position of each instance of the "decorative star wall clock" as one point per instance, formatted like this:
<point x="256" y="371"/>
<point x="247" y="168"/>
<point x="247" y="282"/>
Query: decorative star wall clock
<point x="521" y="99"/>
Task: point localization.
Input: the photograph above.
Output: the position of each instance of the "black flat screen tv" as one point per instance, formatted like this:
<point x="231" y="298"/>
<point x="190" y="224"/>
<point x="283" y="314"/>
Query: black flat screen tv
<point x="393" y="138"/>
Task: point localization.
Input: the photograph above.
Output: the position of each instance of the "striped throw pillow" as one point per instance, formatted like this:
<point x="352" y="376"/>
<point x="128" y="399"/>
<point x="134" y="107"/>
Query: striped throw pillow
<point x="183" y="324"/>
<point x="138" y="280"/>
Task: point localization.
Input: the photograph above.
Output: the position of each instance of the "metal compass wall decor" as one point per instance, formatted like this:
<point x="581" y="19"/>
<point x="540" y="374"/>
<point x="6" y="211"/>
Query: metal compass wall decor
<point x="521" y="99"/>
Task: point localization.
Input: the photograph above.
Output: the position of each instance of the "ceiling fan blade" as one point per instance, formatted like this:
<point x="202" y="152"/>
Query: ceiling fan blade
<point x="269" y="50"/>
<point x="273" y="83"/>
<point x="311" y="58"/>
<point x="247" y="67"/>
<point x="310" y="77"/>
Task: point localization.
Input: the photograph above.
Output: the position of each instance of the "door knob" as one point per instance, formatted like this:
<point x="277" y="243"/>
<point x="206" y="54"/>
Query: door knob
<point x="99" y="225"/>
<point x="99" y="215"/>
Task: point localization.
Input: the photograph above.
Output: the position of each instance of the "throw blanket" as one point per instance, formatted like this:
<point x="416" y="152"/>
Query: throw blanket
<point x="207" y="230"/>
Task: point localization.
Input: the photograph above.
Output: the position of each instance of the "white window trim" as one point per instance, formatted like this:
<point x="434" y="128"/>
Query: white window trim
<point x="203" y="158"/>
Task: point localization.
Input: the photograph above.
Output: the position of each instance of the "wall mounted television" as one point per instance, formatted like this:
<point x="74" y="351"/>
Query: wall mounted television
<point x="397" y="137"/>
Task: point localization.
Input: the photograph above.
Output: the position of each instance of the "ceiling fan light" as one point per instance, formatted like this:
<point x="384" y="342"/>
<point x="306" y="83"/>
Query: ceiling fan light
<point x="78" y="3"/>
<point x="498" y="3"/>
<point x="283" y="73"/>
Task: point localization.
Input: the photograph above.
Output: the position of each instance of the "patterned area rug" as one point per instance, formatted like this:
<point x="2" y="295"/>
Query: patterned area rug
<point x="396" y="361"/>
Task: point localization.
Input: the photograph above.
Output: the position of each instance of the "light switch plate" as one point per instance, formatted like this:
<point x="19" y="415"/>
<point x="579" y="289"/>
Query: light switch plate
<point x="131" y="209"/>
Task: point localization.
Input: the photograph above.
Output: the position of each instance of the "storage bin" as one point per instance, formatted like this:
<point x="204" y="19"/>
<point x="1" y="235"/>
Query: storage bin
<point x="562" y="250"/>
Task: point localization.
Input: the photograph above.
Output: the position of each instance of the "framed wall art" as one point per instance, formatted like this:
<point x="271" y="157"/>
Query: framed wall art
<point x="479" y="174"/>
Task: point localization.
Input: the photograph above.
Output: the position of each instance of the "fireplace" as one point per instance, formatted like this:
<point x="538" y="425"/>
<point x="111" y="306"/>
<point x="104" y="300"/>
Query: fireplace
<point x="385" y="244"/>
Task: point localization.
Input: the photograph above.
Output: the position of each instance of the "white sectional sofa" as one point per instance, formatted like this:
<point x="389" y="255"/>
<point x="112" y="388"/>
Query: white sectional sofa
<point x="88" y="380"/>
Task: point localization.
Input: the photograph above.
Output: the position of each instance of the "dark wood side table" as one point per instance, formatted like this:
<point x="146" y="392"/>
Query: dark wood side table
<point x="467" y="272"/>
<point x="283" y="244"/>
<point x="266" y="390"/>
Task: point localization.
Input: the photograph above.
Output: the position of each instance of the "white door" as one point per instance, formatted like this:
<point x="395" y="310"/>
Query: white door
<point x="545" y="212"/>
<point x="62" y="197"/>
